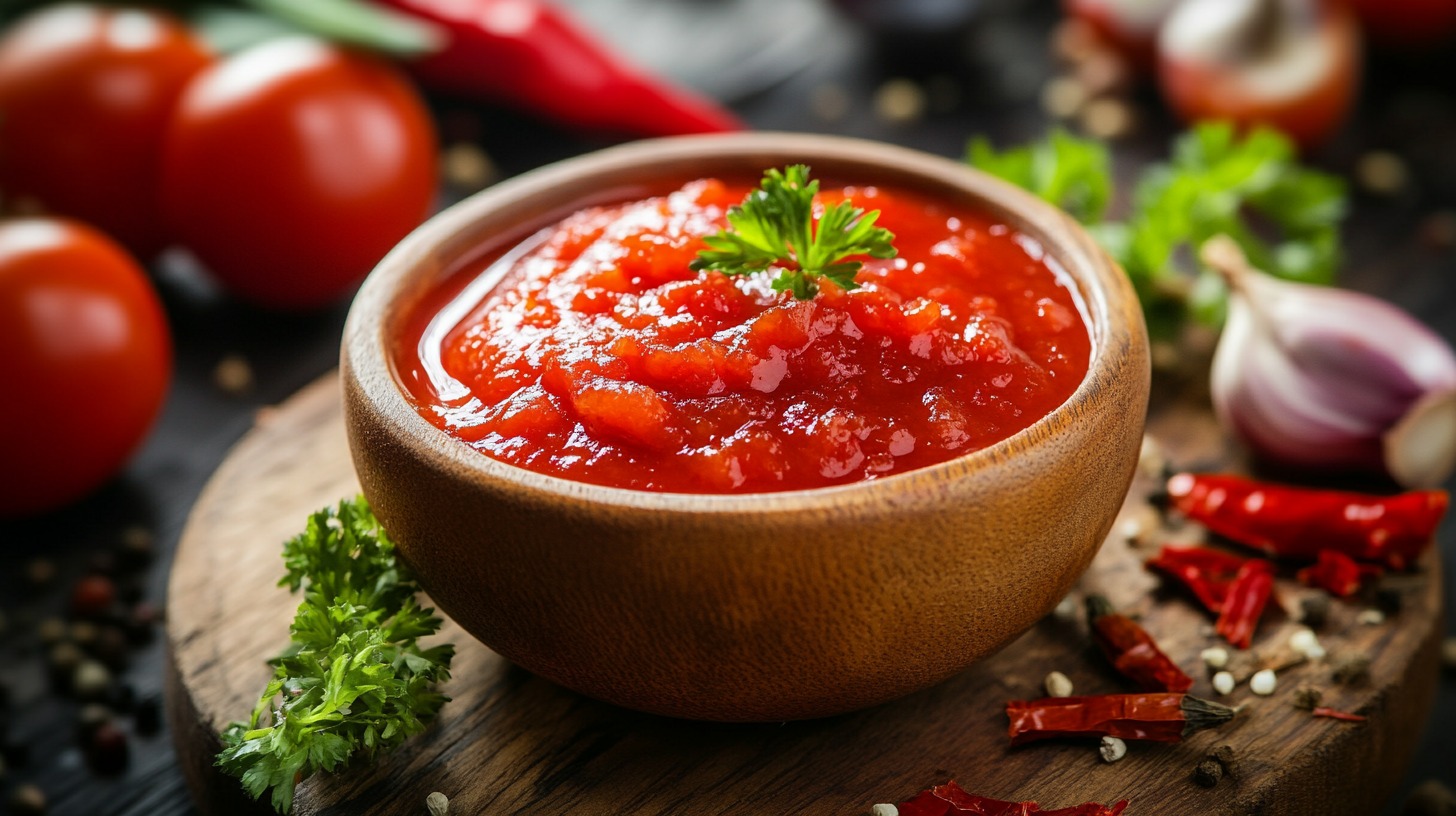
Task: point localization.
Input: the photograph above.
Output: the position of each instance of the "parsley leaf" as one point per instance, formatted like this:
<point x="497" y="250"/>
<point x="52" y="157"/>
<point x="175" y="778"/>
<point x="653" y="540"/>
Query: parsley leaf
<point x="775" y="226"/>
<point x="1074" y="174"/>
<point x="1284" y="216"/>
<point x="354" y="680"/>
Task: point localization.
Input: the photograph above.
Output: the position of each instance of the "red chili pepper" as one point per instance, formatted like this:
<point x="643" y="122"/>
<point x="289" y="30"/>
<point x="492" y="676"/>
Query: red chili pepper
<point x="1336" y="714"/>
<point x="1245" y="602"/>
<point x="1132" y="650"/>
<point x="1157" y="716"/>
<point x="1294" y="522"/>
<point x="531" y="54"/>
<point x="1337" y="573"/>
<point x="951" y="799"/>
<point x="1207" y="573"/>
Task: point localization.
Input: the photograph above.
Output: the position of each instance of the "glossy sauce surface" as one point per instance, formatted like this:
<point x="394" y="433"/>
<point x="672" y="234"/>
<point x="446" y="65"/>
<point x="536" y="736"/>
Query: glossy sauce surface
<point x="592" y="352"/>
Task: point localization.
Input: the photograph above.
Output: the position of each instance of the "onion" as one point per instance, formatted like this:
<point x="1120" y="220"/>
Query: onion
<point x="1315" y="377"/>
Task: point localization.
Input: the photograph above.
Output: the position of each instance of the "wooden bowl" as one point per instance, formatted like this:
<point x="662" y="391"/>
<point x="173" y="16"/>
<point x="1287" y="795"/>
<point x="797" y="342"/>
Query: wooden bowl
<point x="772" y="606"/>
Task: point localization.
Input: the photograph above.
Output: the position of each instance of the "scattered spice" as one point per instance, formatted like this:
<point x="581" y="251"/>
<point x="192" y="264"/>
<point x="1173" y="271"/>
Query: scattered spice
<point x="884" y="809"/>
<point x="1131" y="650"/>
<point x="1430" y="798"/>
<point x="1314" y="611"/>
<point x="1308" y="698"/>
<point x="1058" y="685"/>
<point x="1350" y="668"/>
<point x="951" y="799"/>
<point x="138" y="546"/>
<point x="147" y="717"/>
<point x="91" y="717"/>
<point x="40" y="571"/>
<point x="467" y="168"/>
<point x="28" y="800"/>
<point x="900" y="101"/>
<point x="1305" y="642"/>
<point x="1295" y="522"/>
<point x="1224" y="755"/>
<point x="1389" y="600"/>
<point x="63" y="659"/>
<point x="84" y="634"/>
<point x="1107" y="118"/>
<point x="1333" y="714"/>
<point x="233" y="375"/>
<point x="1155" y="716"/>
<point x="1063" y="97"/>
<point x="1337" y="573"/>
<point x="1215" y="657"/>
<point x="437" y="804"/>
<point x="1223" y="683"/>
<point x="829" y="102"/>
<point x="90" y="680"/>
<point x="1112" y="749"/>
<point x="1381" y="172"/>
<point x="1264" y="682"/>
<point x="51" y="631"/>
<point x="107" y="752"/>
<point x="1208" y="773"/>
<point x="1245" y="602"/>
<point x="1370" y="617"/>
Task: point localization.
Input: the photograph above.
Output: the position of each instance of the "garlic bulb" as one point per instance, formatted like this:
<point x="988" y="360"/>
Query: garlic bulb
<point x="1322" y="378"/>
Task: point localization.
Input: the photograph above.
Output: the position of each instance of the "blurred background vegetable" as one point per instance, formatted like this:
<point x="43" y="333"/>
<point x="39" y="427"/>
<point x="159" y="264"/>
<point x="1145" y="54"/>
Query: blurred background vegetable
<point x="85" y="95"/>
<point x="87" y="361"/>
<point x="1290" y="64"/>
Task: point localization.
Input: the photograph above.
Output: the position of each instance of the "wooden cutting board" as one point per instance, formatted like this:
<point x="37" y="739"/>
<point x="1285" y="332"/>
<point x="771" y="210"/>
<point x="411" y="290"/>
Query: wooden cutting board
<point x="511" y="743"/>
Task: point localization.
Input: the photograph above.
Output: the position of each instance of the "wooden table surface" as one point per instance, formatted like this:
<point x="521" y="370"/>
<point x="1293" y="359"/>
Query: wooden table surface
<point x="1409" y="106"/>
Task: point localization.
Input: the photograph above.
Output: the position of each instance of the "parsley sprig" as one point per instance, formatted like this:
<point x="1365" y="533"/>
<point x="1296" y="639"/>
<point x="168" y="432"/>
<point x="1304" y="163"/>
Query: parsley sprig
<point x="354" y="680"/>
<point x="1285" y="216"/>
<point x="775" y="226"/>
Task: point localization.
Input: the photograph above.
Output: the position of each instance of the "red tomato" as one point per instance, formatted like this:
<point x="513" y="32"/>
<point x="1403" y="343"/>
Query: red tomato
<point x="294" y="166"/>
<point x="1421" y="23"/>
<point x="85" y="95"/>
<point x="86" y="363"/>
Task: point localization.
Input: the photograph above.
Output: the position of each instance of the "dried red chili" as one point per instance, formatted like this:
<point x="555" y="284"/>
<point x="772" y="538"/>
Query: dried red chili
<point x="1294" y="522"/>
<point x="1337" y="573"/>
<point x="1132" y="651"/>
<point x="530" y="53"/>
<point x="1244" y="604"/>
<point x="1336" y="714"/>
<point x="951" y="799"/>
<point x="1156" y="716"/>
<point x="1206" y="573"/>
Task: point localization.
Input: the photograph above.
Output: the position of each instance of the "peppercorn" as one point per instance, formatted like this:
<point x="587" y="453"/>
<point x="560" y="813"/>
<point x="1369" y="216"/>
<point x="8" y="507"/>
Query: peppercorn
<point x="91" y="717"/>
<point x="1308" y="698"/>
<point x="40" y="572"/>
<point x="1314" y="610"/>
<point x="63" y="659"/>
<point x="138" y="547"/>
<point x="1389" y="600"/>
<point x="111" y="647"/>
<point x="90" y="680"/>
<point x="51" y="631"/>
<point x="107" y="752"/>
<point x="148" y="716"/>
<point x="1208" y="773"/>
<point x="28" y="800"/>
<point x="1430" y="798"/>
<point x="1350" y="668"/>
<point x="83" y="634"/>
<point x="437" y="804"/>
<point x="92" y="596"/>
<point x="1224" y="756"/>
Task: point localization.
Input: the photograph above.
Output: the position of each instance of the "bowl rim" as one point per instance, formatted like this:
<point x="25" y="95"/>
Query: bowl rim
<point x="1103" y="291"/>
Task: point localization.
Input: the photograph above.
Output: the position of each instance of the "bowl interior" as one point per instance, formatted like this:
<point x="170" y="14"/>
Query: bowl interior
<point x="502" y="216"/>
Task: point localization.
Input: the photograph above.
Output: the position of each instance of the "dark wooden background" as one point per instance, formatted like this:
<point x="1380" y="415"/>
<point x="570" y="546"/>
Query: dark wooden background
<point x="790" y="59"/>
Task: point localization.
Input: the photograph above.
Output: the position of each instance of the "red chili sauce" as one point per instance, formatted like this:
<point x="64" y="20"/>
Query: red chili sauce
<point x="591" y="352"/>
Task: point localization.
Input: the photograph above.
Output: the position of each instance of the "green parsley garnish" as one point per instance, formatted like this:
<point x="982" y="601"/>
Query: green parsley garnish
<point x="354" y="680"/>
<point x="775" y="226"/>
<point x="1284" y="216"/>
<point x="1074" y="174"/>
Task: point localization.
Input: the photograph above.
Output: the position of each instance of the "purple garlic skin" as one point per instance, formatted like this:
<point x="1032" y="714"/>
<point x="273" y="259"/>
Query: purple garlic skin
<point x="1319" y="378"/>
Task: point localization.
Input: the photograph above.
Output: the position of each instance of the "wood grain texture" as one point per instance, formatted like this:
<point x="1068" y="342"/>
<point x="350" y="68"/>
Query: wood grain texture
<point x="511" y="743"/>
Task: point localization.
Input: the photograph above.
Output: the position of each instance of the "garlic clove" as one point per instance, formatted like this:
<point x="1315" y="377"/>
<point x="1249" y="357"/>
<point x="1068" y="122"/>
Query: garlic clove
<point x="1420" y="450"/>
<point x="1317" y="377"/>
